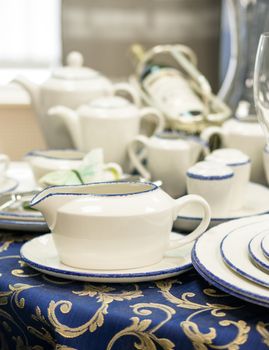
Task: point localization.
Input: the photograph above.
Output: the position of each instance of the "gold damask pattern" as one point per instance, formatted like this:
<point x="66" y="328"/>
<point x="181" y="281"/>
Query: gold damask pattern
<point x="42" y="312"/>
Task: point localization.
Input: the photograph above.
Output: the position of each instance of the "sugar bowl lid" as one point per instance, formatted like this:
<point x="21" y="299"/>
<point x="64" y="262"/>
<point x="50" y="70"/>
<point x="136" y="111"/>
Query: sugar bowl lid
<point x="74" y="70"/>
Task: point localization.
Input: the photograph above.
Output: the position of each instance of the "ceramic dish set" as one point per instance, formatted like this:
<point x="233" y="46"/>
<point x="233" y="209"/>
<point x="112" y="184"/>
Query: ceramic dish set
<point x="234" y="257"/>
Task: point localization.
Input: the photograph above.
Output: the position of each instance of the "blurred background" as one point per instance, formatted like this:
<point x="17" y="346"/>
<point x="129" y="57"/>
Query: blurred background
<point x="36" y="35"/>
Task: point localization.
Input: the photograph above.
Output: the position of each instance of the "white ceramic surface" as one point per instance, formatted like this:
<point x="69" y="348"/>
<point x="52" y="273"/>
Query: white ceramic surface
<point x="256" y="203"/>
<point x="266" y="163"/>
<point x="207" y="256"/>
<point x="256" y="253"/>
<point x="245" y="136"/>
<point x="114" y="225"/>
<point x="240" y="163"/>
<point x="234" y="251"/>
<point x="45" y="161"/>
<point x="169" y="155"/>
<point x="265" y="246"/>
<point x="212" y="181"/>
<point x="109" y="123"/>
<point x="41" y="254"/>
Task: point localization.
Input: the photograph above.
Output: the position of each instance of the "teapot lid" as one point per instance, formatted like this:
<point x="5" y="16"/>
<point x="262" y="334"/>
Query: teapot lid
<point x="74" y="69"/>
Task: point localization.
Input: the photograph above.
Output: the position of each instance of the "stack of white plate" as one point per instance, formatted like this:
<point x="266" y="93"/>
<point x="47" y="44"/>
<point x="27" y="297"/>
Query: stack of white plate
<point x="235" y="258"/>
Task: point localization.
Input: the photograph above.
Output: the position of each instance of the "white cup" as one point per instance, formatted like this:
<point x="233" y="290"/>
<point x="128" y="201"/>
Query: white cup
<point x="241" y="165"/>
<point x="4" y="163"/>
<point x="212" y="181"/>
<point x="114" y="225"/>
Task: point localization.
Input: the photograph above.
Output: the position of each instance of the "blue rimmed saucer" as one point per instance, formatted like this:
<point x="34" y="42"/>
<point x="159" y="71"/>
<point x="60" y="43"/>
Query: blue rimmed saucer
<point x="265" y="246"/>
<point x="207" y="258"/>
<point x="40" y="253"/>
<point x="256" y="203"/>
<point x="256" y="253"/>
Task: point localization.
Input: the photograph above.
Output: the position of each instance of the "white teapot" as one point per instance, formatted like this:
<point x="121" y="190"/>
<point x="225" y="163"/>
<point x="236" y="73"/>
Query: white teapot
<point x="169" y="155"/>
<point x="109" y="123"/>
<point x="245" y="136"/>
<point x="70" y="86"/>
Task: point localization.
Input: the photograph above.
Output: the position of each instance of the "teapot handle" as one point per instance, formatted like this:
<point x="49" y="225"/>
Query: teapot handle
<point x="181" y="203"/>
<point x="127" y="89"/>
<point x="150" y="113"/>
<point x="135" y="159"/>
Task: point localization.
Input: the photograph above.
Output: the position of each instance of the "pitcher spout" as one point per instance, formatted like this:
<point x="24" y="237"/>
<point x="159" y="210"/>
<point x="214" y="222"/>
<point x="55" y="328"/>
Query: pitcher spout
<point x="48" y="202"/>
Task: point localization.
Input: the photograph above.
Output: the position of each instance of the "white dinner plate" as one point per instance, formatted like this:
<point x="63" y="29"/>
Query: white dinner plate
<point x="265" y="246"/>
<point x="226" y="289"/>
<point x="206" y="255"/>
<point x="256" y="203"/>
<point x="256" y="253"/>
<point x="40" y="253"/>
<point x="234" y="251"/>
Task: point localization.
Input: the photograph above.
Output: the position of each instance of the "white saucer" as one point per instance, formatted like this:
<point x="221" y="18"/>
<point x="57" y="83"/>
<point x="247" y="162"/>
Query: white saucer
<point x="238" y="240"/>
<point x="8" y="185"/>
<point x="265" y="246"/>
<point x="40" y="253"/>
<point x="206" y="257"/>
<point x="256" y="253"/>
<point x="256" y="203"/>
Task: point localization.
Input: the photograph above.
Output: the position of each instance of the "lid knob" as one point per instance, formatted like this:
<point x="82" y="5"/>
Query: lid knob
<point x="74" y="59"/>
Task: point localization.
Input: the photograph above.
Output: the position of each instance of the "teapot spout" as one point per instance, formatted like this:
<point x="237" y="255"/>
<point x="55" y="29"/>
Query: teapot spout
<point x="71" y="120"/>
<point x="31" y="88"/>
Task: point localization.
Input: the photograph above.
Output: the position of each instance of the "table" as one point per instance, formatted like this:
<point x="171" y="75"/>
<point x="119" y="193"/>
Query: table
<point x="38" y="311"/>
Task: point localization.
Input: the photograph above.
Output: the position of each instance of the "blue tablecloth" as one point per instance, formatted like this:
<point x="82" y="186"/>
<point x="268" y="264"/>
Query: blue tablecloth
<point x="41" y="312"/>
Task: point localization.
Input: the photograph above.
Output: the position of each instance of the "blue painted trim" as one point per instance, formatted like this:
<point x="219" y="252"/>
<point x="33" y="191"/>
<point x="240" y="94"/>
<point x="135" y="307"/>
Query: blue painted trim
<point x="239" y="163"/>
<point x="153" y="188"/>
<point x="38" y="153"/>
<point x="209" y="177"/>
<point x="190" y="218"/>
<point x="180" y="135"/>
<point x="222" y="283"/>
<point x="238" y="270"/>
<point x="254" y="257"/>
<point x="264" y="250"/>
<point x="104" y="275"/>
<point x="7" y="213"/>
<point x="226" y="290"/>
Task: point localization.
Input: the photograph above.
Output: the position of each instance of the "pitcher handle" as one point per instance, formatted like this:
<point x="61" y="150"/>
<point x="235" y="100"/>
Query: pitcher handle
<point x="181" y="203"/>
<point x="127" y="89"/>
<point x="153" y="113"/>
<point x="135" y="159"/>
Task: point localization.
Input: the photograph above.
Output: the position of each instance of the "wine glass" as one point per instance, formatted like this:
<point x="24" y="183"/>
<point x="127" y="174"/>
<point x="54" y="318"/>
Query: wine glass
<point x="261" y="84"/>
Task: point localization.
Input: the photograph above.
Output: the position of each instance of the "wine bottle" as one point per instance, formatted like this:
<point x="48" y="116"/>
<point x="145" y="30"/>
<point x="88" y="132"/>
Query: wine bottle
<point x="168" y="88"/>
